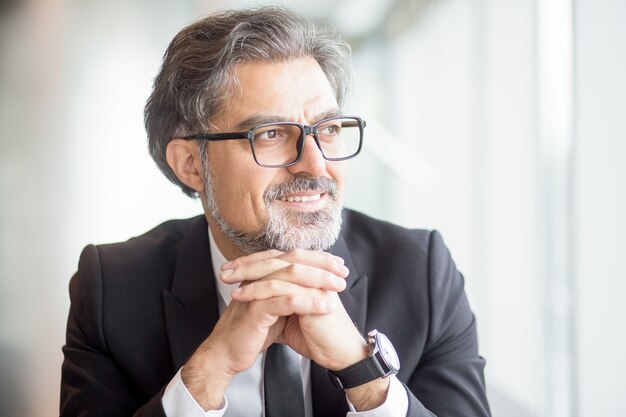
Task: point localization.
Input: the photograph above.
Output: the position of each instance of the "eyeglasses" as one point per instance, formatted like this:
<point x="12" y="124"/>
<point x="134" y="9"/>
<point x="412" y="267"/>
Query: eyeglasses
<point x="280" y="144"/>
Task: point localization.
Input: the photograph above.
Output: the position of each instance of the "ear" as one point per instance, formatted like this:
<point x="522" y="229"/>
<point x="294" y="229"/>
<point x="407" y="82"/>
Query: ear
<point x="183" y="156"/>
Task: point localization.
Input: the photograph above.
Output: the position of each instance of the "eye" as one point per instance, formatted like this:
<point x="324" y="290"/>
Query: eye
<point x="268" y="133"/>
<point x="329" y="129"/>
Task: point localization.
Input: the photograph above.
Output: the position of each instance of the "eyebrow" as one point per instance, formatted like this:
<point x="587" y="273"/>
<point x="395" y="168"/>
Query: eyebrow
<point x="259" y="119"/>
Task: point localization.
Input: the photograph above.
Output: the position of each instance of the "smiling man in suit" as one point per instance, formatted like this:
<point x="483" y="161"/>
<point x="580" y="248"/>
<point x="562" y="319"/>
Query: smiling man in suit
<point x="276" y="301"/>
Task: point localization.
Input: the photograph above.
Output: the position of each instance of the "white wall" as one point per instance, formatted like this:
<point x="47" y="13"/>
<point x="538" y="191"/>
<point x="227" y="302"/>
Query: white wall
<point x="600" y="205"/>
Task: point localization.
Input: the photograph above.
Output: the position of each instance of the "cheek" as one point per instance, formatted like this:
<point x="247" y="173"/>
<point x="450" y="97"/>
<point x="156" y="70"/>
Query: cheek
<point x="337" y="171"/>
<point x="240" y="196"/>
<point x="233" y="174"/>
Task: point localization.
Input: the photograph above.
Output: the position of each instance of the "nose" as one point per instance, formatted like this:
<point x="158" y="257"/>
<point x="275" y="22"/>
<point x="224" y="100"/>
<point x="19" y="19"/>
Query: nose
<point x="311" y="161"/>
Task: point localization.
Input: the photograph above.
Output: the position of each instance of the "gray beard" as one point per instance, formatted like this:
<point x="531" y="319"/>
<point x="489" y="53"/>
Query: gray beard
<point x="285" y="230"/>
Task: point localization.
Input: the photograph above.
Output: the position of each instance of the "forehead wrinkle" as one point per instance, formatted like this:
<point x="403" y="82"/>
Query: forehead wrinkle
<point x="327" y="114"/>
<point x="259" y="119"/>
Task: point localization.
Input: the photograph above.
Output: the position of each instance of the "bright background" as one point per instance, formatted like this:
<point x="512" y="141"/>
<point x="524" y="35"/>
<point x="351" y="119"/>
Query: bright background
<point x="499" y="122"/>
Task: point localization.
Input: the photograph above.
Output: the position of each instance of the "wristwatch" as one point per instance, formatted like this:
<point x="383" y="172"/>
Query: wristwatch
<point x="381" y="362"/>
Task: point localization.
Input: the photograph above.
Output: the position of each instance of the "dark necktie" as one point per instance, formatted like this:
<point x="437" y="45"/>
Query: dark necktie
<point x="283" y="383"/>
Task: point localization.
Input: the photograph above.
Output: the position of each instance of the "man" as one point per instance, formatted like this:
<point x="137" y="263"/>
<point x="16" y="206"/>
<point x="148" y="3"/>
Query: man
<point x="204" y="316"/>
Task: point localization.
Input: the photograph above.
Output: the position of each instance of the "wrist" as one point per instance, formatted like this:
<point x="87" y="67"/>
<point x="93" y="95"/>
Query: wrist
<point x="207" y="392"/>
<point x="369" y="395"/>
<point x="351" y="356"/>
<point x="206" y="379"/>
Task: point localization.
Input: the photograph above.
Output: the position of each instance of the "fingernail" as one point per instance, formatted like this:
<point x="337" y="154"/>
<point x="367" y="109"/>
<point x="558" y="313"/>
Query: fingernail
<point x="227" y="273"/>
<point x="340" y="282"/>
<point x="237" y="291"/>
<point x="227" y="265"/>
<point x="344" y="269"/>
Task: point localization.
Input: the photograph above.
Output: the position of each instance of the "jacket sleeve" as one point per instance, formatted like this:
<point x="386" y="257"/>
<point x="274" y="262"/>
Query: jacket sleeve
<point x="91" y="382"/>
<point x="448" y="380"/>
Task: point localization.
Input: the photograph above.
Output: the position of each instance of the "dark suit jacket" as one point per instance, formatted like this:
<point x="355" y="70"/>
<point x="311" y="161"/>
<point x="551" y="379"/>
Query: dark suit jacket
<point x="140" y="308"/>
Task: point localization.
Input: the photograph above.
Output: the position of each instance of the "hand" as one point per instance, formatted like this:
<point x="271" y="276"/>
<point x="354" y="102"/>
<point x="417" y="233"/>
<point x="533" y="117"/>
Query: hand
<point x="304" y="280"/>
<point x="243" y="331"/>
<point x="309" y="277"/>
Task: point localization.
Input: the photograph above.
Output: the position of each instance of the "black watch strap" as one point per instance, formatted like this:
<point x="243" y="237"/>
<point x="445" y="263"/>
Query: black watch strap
<point x="382" y="361"/>
<point x="364" y="371"/>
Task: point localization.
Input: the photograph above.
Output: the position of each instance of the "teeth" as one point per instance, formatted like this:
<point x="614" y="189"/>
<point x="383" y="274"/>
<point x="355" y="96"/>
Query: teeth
<point x="303" y="198"/>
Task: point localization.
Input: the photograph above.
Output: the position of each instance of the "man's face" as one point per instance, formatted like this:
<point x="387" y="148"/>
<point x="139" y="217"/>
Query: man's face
<point x="252" y="208"/>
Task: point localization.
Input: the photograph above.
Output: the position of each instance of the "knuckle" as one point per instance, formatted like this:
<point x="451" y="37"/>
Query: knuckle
<point x="292" y="300"/>
<point x="273" y="285"/>
<point x="248" y="289"/>
<point x="293" y="268"/>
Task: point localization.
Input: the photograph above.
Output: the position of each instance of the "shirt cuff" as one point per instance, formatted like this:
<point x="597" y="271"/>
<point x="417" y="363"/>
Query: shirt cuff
<point x="178" y="402"/>
<point x="396" y="403"/>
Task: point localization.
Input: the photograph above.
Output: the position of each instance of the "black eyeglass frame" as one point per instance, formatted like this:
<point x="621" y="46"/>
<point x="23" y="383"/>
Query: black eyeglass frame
<point x="305" y="130"/>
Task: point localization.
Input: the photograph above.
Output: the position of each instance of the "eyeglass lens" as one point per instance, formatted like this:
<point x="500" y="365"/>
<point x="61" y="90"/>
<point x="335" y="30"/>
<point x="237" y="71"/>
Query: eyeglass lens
<point x="277" y="144"/>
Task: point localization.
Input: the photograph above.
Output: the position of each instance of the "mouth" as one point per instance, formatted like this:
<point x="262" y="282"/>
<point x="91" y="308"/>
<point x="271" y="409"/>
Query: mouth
<point x="301" y="198"/>
<point x="306" y="194"/>
<point x="304" y="201"/>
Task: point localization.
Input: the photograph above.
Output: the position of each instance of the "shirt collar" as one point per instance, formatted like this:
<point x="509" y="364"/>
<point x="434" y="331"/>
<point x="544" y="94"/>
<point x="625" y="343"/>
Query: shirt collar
<point x="218" y="259"/>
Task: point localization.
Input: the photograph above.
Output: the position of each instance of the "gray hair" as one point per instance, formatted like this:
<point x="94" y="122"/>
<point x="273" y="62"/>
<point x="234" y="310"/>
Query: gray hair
<point x="196" y="77"/>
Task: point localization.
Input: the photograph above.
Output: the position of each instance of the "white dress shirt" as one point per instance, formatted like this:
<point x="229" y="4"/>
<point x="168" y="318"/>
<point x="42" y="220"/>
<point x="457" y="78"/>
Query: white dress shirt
<point x="248" y="385"/>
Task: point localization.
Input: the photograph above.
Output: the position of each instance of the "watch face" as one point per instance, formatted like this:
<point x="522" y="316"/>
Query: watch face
<point x="388" y="353"/>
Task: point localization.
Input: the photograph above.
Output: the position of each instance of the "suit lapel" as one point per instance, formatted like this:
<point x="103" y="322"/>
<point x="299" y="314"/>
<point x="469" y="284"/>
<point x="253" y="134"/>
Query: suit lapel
<point x="327" y="400"/>
<point x="354" y="297"/>
<point x="191" y="305"/>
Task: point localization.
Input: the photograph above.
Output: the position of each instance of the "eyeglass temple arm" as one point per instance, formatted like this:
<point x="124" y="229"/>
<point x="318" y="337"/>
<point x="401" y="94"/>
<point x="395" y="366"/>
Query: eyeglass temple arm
<point x="219" y="136"/>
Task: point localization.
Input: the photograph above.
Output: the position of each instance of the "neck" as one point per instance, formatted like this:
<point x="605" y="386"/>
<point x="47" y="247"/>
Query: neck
<point x="229" y="251"/>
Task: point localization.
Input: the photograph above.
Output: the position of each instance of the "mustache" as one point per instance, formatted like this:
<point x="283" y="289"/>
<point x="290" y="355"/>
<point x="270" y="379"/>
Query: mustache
<point x="298" y="184"/>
